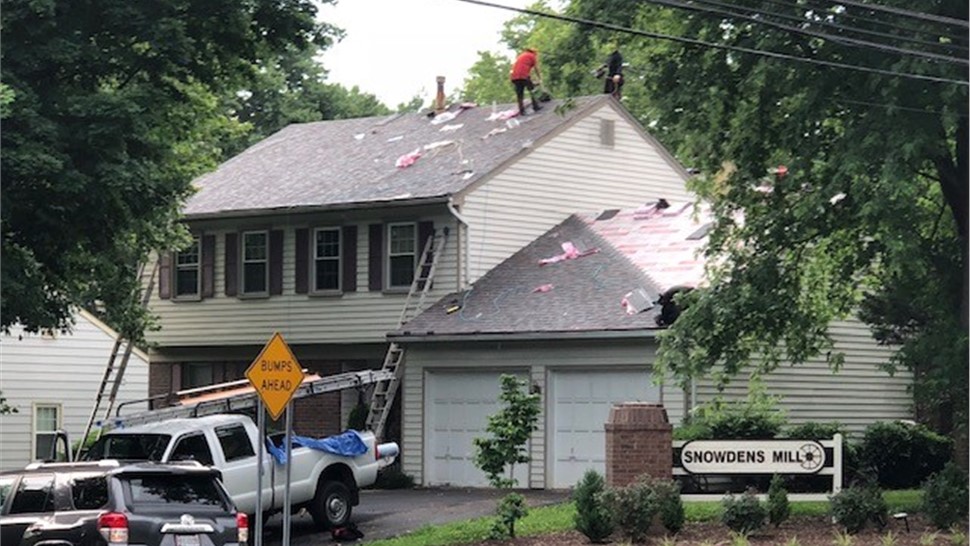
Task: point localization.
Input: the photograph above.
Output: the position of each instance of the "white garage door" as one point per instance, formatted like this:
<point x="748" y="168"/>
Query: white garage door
<point x="458" y="405"/>
<point x="581" y="406"/>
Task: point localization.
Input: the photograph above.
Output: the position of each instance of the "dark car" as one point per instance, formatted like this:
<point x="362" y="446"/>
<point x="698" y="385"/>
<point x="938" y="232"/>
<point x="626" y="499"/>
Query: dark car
<point x="109" y="503"/>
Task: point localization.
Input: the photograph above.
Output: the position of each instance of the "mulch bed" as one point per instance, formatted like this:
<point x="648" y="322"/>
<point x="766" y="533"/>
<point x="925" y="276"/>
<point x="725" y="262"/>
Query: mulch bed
<point x="810" y="531"/>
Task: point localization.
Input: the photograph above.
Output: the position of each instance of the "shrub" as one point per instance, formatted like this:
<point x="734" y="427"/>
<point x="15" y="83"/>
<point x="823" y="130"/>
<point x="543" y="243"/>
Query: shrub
<point x="813" y="430"/>
<point x="945" y="496"/>
<point x="743" y="514"/>
<point x="755" y="417"/>
<point x="853" y="507"/>
<point x="392" y="477"/>
<point x="592" y="515"/>
<point x="671" y="508"/>
<point x="357" y="420"/>
<point x="634" y="508"/>
<point x="778" y="508"/>
<point x="902" y="455"/>
<point x="510" y="509"/>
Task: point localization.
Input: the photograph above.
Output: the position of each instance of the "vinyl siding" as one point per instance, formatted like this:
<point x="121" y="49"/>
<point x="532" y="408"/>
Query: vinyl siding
<point x="66" y="370"/>
<point x="540" y="358"/>
<point x="572" y="172"/>
<point x="354" y="317"/>
<point x="856" y="396"/>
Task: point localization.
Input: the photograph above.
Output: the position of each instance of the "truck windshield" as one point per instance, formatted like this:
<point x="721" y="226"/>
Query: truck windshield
<point x="131" y="447"/>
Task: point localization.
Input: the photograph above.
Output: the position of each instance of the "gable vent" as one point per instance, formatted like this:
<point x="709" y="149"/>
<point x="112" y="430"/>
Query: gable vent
<point x="607" y="132"/>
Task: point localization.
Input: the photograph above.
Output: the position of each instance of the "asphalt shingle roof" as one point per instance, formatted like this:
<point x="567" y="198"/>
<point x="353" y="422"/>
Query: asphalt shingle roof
<point x="647" y="248"/>
<point x="351" y="162"/>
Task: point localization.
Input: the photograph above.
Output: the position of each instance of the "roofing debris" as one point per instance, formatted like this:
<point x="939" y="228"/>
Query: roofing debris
<point x="636" y="301"/>
<point x="495" y="131"/>
<point x="836" y="198"/>
<point x="444" y="117"/>
<point x="396" y="138"/>
<point x="503" y="115"/>
<point x="409" y="159"/>
<point x="543" y="288"/>
<point x="569" y="252"/>
<point x="449" y="128"/>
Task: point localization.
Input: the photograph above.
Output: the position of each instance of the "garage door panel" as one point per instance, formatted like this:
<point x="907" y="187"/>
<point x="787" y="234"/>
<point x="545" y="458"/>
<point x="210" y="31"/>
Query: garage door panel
<point x="581" y="406"/>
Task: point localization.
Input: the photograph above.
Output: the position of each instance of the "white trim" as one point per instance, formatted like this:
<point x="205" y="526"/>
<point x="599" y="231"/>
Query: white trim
<point x="242" y="263"/>
<point x="34" y="406"/>
<point x="388" y="255"/>
<point x="339" y="258"/>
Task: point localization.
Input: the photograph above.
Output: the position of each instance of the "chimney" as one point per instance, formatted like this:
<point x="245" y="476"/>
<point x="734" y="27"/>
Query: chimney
<point x="439" y="99"/>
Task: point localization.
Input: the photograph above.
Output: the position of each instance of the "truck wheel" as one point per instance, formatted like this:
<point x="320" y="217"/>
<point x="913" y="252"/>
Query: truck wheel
<point x="331" y="505"/>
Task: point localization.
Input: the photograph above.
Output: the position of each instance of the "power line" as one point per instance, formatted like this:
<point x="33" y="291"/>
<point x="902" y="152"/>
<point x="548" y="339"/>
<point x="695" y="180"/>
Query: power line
<point x="904" y="12"/>
<point x="695" y="42"/>
<point x="837" y="26"/>
<point x="842" y="39"/>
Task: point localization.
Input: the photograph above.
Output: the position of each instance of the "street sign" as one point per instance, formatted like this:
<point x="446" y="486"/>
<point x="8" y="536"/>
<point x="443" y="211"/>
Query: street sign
<point x="276" y="375"/>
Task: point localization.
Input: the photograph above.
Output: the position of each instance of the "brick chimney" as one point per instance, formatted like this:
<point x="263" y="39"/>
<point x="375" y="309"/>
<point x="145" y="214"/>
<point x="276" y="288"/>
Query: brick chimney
<point x="439" y="99"/>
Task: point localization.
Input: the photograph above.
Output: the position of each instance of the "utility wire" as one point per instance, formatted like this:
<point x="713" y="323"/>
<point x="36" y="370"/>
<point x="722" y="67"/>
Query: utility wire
<point x="696" y="42"/>
<point x="903" y="12"/>
<point x="819" y="22"/>
<point x="795" y="30"/>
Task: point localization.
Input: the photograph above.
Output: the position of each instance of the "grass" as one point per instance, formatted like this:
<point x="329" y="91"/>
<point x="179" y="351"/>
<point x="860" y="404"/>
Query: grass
<point x="558" y="518"/>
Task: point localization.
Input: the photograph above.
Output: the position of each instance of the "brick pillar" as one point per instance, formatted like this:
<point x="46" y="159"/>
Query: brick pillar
<point x="638" y="441"/>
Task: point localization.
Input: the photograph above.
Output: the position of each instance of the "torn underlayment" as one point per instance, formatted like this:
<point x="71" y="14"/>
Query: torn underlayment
<point x="407" y="160"/>
<point x="569" y="252"/>
<point x="543" y="288"/>
<point x="637" y="301"/>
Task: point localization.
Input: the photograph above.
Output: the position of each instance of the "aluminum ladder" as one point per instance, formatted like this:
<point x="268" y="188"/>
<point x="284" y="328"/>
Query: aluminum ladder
<point x="384" y="391"/>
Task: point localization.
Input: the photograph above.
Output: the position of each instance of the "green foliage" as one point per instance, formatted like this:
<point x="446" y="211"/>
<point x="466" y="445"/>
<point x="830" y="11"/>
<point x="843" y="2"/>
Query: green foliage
<point x="509" y="431"/>
<point x="743" y="514"/>
<point x="778" y="507"/>
<point x="392" y="477"/>
<point x="593" y="517"/>
<point x="488" y="80"/>
<point x="855" y="506"/>
<point x="669" y="505"/>
<point x="958" y="538"/>
<point x="843" y="539"/>
<point x="357" y="420"/>
<point x="945" y="497"/>
<point x="633" y="507"/>
<point x="6" y="408"/>
<point x="889" y="539"/>
<point x="510" y="509"/>
<point x="813" y="430"/>
<point x="902" y="455"/>
<point x="757" y="416"/>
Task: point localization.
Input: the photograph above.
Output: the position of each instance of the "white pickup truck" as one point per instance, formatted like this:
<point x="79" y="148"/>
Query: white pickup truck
<point x="327" y="485"/>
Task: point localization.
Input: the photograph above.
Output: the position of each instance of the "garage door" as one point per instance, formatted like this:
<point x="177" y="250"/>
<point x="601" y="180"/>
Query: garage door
<point x="458" y="405"/>
<point x="581" y="406"/>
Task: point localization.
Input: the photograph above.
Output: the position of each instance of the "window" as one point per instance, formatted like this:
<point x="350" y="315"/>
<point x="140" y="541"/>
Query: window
<point x="234" y="442"/>
<point x="89" y="492"/>
<point x="255" y="262"/>
<point x="35" y="494"/>
<point x="137" y="447"/>
<point x="6" y="484"/>
<point x="192" y="448"/>
<point x="47" y="419"/>
<point x="187" y="271"/>
<point x="401" y="254"/>
<point x="197" y="374"/>
<point x="179" y="492"/>
<point x="326" y="259"/>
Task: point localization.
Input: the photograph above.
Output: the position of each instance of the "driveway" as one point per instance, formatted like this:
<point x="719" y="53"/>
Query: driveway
<point x="388" y="513"/>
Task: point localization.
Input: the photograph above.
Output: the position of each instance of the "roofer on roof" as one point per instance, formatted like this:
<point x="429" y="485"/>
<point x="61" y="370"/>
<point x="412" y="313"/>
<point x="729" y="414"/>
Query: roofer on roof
<point x="525" y="63"/>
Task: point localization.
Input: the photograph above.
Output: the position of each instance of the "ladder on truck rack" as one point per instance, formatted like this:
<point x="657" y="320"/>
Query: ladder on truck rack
<point x="235" y="396"/>
<point x="383" y="396"/>
<point x="115" y="374"/>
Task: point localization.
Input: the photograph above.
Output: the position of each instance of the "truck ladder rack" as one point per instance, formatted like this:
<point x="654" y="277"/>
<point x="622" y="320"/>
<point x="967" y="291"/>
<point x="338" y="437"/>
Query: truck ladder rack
<point x="238" y="395"/>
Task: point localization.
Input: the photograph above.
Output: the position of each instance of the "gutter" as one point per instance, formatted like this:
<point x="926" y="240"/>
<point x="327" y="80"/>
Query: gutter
<point x="249" y="213"/>
<point x="462" y="282"/>
<point x="523" y="336"/>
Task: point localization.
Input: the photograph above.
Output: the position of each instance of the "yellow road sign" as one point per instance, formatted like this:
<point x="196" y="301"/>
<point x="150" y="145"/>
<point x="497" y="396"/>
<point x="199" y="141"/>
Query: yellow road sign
<point x="276" y="375"/>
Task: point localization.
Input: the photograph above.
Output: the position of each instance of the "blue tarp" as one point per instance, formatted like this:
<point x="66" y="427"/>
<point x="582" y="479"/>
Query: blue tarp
<point x="348" y="444"/>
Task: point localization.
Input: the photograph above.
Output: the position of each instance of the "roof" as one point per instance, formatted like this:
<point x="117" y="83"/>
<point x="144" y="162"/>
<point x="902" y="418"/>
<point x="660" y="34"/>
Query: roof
<point x="620" y="254"/>
<point x="348" y="163"/>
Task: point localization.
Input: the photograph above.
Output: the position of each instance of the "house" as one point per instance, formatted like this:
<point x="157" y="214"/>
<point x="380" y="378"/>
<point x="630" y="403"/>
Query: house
<point x="315" y="231"/>
<point x="573" y="313"/>
<point x="51" y="379"/>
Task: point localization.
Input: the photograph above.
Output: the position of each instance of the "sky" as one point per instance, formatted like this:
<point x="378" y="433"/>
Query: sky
<point x="395" y="48"/>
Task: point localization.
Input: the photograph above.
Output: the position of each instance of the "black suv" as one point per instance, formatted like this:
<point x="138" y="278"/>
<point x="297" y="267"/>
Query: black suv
<point x="109" y="503"/>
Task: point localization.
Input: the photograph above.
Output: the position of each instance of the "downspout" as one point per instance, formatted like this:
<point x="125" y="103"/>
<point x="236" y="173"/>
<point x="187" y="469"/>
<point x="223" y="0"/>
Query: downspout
<point x="462" y="281"/>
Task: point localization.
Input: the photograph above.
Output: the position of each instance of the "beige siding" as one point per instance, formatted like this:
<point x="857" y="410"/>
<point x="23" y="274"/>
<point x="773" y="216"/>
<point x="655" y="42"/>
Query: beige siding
<point x="859" y="394"/>
<point x="65" y="370"/>
<point x="541" y="358"/>
<point x="570" y="173"/>
<point x="355" y="317"/>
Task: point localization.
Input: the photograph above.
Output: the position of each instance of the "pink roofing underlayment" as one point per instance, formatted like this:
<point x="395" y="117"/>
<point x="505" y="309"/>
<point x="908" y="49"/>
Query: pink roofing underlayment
<point x="665" y="243"/>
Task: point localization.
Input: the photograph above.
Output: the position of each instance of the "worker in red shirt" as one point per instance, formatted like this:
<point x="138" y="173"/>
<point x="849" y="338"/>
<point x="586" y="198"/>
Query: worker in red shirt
<point x="525" y="63"/>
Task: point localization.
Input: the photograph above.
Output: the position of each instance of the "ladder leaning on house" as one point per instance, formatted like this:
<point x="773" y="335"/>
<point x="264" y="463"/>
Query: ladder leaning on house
<point x="115" y="374"/>
<point x="384" y="391"/>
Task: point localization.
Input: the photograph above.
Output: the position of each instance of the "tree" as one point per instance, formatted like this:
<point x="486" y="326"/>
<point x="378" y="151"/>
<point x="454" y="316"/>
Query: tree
<point x="6" y="408"/>
<point x="115" y="108"/>
<point x="488" y="80"/>
<point x="509" y="431"/>
<point x="868" y="215"/>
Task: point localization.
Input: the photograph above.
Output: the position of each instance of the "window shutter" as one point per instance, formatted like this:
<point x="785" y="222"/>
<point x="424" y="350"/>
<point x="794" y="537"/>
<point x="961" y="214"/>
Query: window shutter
<point x="375" y="260"/>
<point x="302" y="262"/>
<point x="349" y="243"/>
<point x="276" y="262"/>
<point x="208" y="266"/>
<point x="425" y="232"/>
<point x="165" y="275"/>
<point x="232" y="264"/>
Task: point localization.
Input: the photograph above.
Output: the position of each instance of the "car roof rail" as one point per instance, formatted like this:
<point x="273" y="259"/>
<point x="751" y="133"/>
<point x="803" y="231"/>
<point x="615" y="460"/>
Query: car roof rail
<point x="77" y="464"/>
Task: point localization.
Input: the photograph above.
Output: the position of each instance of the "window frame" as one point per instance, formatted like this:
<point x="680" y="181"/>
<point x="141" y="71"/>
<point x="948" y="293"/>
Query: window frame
<point x="388" y="255"/>
<point x="264" y="293"/>
<point x="59" y="420"/>
<point x="194" y="436"/>
<point x="176" y="267"/>
<point x="240" y="431"/>
<point x="314" y="289"/>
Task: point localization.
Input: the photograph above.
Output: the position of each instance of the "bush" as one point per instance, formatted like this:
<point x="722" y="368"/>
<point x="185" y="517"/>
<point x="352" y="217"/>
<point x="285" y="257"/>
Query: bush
<point x="901" y="455"/>
<point x="945" y="497"/>
<point x="392" y="477"/>
<point x="778" y="508"/>
<point x="510" y="509"/>
<point x="357" y="420"/>
<point x="815" y="431"/>
<point x="671" y="508"/>
<point x="743" y="514"/>
<point x="755" y="417"/>
<point x="853" y="507"/>
<point x="592" y="514"/>
<point x="633" y="507"/>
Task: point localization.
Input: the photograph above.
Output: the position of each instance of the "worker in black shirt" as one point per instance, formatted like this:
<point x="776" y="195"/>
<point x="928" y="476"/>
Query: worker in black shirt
<point x="612" y="69"/>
